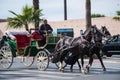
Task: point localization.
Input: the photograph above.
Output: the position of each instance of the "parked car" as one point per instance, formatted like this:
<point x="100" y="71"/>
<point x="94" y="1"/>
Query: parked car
<point x="112" y="46"/>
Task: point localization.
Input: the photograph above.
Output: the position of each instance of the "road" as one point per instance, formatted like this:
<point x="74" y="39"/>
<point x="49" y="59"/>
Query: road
<point x="19" y="72"/>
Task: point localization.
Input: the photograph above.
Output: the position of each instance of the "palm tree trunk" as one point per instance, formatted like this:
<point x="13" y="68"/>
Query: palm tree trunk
<point x="88" y="14"/>
<point x="36" y="7"/>
<point x="26" y="27"/>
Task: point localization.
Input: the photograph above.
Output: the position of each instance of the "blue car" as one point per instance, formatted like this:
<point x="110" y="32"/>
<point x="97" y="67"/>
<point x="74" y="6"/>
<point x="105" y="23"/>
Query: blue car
<point x="112" y="46"/>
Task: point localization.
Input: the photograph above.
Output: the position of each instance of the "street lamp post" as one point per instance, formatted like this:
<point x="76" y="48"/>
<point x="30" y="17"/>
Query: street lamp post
<point x="65" y="9"/>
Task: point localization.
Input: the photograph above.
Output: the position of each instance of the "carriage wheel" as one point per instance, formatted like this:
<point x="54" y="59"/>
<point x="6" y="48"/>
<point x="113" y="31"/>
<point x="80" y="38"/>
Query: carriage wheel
<point x="42" y="60"/>
<point x="28" y="61"/>
<point x="6" y="58"/>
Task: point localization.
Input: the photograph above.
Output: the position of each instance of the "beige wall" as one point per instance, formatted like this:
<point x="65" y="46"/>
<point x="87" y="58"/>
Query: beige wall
<point x="112" y="25"/>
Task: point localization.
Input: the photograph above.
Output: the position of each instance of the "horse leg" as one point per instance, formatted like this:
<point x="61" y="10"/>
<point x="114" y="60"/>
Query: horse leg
<point x="90" y="62"/>
<point x="79" y="65"/>
<point x="82" y="65"/>
<point x="100" y="59"/>
<point x="71" y="68"/>
<point x="61" y="67"/>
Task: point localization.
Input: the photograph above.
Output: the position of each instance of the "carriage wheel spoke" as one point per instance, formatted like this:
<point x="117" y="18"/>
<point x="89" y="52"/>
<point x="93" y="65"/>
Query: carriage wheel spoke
<point x="42" y="60"/>
<point x="6" y="57"/>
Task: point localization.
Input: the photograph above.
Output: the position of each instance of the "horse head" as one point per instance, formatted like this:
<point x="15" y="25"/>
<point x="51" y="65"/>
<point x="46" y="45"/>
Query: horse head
<point x="105" y="31"/>
<point x="93" y="29"/>
<point x="58" y="53"/>
<point x="90" y="32"/>
<point x="55" y="57"/>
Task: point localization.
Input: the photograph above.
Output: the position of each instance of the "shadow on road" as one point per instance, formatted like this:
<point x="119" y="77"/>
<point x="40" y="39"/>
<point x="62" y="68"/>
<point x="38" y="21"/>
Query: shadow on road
<point x="33" y="73"/>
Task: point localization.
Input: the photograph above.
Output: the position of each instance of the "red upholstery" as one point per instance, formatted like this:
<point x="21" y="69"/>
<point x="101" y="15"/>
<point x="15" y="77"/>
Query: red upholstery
<point x="36" y="36"/>
<point x="22" y="40"/>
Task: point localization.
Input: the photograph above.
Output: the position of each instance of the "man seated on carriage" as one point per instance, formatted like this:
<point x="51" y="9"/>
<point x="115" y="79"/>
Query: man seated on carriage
<point x="45" y="29"/>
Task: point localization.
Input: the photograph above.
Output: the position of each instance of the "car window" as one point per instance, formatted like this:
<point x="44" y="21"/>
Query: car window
<point x="113" y="39"/>
<point x="118" y="38"/>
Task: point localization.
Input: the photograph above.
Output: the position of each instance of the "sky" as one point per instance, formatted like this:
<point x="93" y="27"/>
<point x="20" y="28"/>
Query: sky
<point x="53" y="10"/>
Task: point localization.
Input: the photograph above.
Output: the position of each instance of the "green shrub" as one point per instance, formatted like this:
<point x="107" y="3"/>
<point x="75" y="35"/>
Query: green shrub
<point x="117" y="18"/>
<point x="118" y="13"/>
<point x="97" y="15"/>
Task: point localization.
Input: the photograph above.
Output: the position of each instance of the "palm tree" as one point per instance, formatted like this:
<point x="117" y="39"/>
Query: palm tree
<point x="21" y="20"/>
<point x="36" y="7"/>
<point x="88" y="14"/>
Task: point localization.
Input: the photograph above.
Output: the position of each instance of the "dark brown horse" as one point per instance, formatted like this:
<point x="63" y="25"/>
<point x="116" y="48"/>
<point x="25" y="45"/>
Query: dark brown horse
<point x="94" y="36"/>
<point x="78" y="47"/>
<point x="70" y="49"/>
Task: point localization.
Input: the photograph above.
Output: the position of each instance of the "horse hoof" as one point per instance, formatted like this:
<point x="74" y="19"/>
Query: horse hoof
<point x="71" y="70"/>
<point x="87" y="69"/>
<point x="61" y="70"/>
<point x="104" y="69"/>
<point x="83" y="71"/>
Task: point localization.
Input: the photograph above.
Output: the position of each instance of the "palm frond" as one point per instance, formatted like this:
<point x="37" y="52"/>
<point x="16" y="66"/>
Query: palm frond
<point x="14" y="23"/>
<point x="13" y="13"/>
<point x="36" y="16"/>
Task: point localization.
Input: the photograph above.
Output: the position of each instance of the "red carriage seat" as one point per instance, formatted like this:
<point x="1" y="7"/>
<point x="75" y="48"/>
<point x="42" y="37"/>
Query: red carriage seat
<point x="36" y="36"/>
<point x="22" y="40"/>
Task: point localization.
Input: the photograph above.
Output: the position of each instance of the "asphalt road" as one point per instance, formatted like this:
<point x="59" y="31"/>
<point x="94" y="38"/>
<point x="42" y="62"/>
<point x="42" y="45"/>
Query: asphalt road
<point x="19" y="72"/>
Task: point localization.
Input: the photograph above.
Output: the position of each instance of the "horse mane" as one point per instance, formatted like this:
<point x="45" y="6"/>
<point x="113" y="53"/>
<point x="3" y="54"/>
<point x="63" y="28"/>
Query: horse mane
<point x="100" y="32"/>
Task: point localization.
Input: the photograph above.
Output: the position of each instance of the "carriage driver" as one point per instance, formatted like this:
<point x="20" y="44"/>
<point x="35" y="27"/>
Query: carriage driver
<point x="45" y="28"/>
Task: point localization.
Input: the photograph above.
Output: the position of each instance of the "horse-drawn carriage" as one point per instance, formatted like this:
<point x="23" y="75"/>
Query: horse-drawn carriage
<point x="32" y="47"/>
<point x="29" y="47"/>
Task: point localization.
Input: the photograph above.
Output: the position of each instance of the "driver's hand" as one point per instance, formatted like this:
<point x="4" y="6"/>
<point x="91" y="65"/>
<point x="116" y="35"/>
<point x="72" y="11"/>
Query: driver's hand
<point x="45" y="31"/>
<point x="49" y="30"/>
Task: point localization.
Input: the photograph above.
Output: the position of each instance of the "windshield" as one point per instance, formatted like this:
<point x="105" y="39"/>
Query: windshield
<point x="113" y="39"/>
